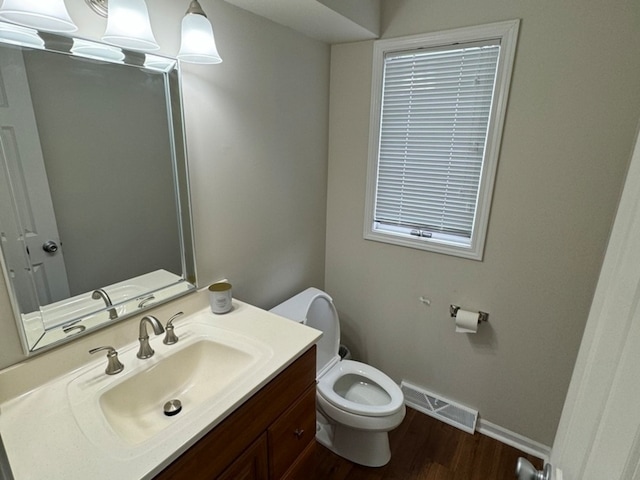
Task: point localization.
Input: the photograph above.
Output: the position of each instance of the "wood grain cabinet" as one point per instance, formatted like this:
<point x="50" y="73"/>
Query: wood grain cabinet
<point x="253" y="464"/>
<point x="291" y="433"/>
<point x="264" y="439"/>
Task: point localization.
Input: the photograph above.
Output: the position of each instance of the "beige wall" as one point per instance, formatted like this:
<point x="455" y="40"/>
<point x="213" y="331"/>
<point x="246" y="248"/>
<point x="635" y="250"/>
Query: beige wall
<point x="571" y="120"/>
<point x="257" y="143"/>
<point x="257" y="131"/>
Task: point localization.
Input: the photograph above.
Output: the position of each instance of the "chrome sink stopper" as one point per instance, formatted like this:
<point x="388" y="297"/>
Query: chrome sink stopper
<point x="172" y="407"/>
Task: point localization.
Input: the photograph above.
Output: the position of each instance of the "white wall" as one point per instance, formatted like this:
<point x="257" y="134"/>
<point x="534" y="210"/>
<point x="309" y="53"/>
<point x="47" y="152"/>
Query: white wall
<point x="257" y="144"/>
<point x="571" y="120"/>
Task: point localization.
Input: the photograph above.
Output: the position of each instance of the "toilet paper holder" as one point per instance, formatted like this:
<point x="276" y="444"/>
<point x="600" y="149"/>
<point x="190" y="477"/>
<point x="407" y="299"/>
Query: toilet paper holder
<point x="482" y="316"/>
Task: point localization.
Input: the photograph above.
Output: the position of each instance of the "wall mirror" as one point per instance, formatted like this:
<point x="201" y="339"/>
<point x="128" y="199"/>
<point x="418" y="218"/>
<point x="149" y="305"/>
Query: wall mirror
<point x="94" y="202"/>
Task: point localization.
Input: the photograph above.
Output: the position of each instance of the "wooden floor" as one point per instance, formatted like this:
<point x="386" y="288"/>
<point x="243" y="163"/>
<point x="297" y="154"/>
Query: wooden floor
<point x="423" y="448"/>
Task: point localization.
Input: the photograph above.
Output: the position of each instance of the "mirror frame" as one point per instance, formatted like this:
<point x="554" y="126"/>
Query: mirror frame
<point x="38" y="340"/>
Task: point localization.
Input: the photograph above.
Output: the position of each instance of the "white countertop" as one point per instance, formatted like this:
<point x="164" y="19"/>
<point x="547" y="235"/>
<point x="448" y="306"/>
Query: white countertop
<point x="42" y="438"/>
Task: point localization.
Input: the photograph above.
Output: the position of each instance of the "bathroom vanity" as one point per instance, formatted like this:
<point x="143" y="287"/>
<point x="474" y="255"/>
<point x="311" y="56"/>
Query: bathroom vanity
<point x="246" y="380"/>
<point x="264" y="438"/>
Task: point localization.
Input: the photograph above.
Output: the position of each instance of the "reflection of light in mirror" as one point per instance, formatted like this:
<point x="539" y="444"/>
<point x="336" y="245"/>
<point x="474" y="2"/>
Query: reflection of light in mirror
<point x="97" y="51"/>
<point x="22" y="36"/>
<point x="155" y="62"/>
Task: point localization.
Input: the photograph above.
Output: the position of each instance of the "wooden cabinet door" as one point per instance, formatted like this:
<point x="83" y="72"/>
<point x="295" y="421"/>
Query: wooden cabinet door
<point x="290" y="434"/>
<point x="253" y="464"/>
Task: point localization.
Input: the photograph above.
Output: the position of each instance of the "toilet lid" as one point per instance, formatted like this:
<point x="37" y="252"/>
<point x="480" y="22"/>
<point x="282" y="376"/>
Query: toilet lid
<point x="315" y="308"/>
<point x="326" y="388"/>
<point x="321" y="314"/>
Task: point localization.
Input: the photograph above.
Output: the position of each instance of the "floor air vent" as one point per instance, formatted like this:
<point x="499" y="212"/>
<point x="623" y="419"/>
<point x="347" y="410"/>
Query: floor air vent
<point x="444" y="410"/>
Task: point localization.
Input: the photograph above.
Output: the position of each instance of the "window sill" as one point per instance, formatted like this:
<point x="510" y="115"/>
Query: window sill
<point x="470" y="251"/>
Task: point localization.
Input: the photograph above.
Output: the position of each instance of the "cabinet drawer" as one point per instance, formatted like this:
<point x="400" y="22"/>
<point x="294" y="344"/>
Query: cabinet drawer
<point x="290" y="434"/>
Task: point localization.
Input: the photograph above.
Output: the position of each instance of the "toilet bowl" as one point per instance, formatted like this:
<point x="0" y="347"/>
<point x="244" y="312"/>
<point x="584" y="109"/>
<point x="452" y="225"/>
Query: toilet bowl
<point x="357" y="404"/>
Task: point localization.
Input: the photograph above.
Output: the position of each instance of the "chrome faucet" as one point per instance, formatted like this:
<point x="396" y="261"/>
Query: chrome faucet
<point x="145" y="300"/>
<point x="171" y="338"/>
<point x="101" y="294"/>
<point x="145" y="349"/>
<point x="113" y="364"/>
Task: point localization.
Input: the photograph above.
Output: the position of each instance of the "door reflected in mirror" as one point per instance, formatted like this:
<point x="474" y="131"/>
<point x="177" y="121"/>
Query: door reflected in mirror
<point x="94" y="212"/>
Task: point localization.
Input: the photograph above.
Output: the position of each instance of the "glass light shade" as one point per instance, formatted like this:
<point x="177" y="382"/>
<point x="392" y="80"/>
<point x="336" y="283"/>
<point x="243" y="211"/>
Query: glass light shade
<point x="198" y="44"/>
<point x="23" y="36"/>
<point x="49" y="15"/>
<point x="96" y="51"/>
<point x="128" y="26"/>
<point x="161" y="64"/>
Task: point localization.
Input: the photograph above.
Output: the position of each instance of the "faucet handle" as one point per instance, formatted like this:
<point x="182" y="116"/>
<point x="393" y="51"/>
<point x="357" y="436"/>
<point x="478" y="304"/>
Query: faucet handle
<point x="171" y="338"/>
<point x="113" y="364"/>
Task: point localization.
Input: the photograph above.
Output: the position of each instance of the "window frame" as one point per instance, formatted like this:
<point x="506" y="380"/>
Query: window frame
<point x="504" y="32"/>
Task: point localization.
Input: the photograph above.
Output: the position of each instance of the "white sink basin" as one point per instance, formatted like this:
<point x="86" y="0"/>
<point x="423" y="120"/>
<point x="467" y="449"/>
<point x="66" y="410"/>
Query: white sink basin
<point x="126" y="410"/>
<point x="193" y="375"/>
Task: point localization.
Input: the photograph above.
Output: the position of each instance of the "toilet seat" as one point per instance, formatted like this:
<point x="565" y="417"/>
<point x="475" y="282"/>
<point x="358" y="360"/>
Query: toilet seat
<point x="345" y="367"/>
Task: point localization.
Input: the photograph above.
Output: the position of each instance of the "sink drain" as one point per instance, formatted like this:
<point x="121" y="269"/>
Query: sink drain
<point x="172" y="407"/>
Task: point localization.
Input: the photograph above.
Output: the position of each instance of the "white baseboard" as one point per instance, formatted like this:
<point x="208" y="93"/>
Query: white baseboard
<point x="514" y="439"/>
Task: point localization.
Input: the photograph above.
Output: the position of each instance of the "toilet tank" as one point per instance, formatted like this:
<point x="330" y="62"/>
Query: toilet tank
<point x="315" y="308"/>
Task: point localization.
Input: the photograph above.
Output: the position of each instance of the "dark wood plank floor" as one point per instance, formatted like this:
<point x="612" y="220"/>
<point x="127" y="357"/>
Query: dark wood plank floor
<point x="423" y="448"/>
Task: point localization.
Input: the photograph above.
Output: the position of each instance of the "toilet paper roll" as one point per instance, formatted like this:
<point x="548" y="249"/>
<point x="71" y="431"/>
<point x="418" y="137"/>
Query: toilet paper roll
<point x="466" y="322"/>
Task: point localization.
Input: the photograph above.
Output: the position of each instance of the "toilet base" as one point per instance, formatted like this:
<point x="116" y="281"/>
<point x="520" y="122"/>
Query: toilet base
<point x="363" y="447"/>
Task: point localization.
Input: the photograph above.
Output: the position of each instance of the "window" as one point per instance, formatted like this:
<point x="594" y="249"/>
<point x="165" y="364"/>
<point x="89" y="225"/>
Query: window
<point x="438" y="106"/>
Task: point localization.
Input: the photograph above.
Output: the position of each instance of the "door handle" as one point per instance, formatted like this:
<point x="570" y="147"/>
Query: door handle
<point x="50" y="246"/>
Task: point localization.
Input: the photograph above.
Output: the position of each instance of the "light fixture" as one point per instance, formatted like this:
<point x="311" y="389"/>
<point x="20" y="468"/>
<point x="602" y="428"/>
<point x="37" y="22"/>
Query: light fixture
<point x="22" y="36"/>
<point x="49" y="15"/>
<point x="161" y="64"/>
<point x="128" y="26"/>
<point x="96" y="51"/>
<point x="198" y="44"/>
<point x="101" y="7"/>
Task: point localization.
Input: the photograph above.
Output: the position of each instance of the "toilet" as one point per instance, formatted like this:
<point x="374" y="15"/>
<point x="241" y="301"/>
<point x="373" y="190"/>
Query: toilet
<point x="356" y="404"/>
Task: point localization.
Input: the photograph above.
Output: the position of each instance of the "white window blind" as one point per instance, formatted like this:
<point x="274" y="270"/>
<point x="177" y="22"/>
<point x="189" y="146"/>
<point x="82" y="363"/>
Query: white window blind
<point x="436" y="106"/>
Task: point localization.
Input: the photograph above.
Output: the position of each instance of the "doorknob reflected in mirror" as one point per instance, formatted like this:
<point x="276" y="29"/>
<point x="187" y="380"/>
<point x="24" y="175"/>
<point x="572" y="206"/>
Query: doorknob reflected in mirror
<point x="50" y="246"/>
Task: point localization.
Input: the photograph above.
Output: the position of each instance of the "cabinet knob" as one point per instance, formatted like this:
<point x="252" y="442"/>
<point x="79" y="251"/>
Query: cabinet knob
<point x="298" y="432"/>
